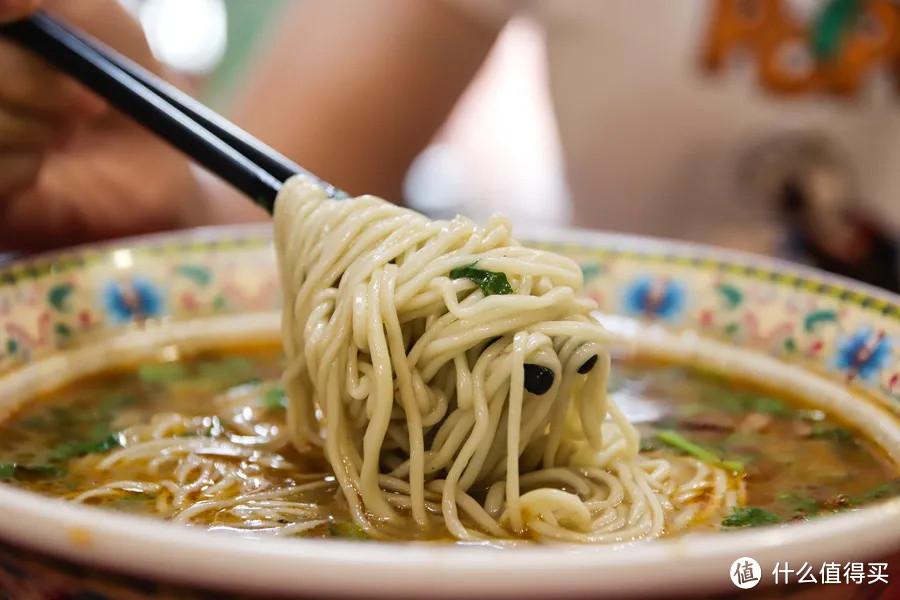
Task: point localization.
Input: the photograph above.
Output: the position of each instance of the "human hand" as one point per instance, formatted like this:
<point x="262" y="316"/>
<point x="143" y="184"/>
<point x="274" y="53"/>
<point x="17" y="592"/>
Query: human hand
<point x="72" y="169"/>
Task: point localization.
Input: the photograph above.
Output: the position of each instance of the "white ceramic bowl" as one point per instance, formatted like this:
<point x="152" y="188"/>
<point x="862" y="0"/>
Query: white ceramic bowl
<point x="793" y="326"/>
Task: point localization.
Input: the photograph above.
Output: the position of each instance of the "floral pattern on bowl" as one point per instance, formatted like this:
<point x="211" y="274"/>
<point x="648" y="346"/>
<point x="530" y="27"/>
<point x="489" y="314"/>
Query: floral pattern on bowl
<point x="60" y="301"/>
<point x="843" y="330"/>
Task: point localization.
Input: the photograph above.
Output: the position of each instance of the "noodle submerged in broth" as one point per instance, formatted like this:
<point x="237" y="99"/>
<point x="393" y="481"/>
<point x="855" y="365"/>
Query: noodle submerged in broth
<point x="199" y="441"/>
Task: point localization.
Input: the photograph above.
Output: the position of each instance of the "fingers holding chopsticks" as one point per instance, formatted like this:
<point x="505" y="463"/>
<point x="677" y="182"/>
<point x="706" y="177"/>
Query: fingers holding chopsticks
<point x="39" y="109"/>
<point x="32" y="86"/>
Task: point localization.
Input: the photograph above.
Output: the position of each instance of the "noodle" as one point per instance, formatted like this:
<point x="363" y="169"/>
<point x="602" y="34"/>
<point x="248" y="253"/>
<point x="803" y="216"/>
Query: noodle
<point x="204" y="479"/>
<point x="415" y="382"/>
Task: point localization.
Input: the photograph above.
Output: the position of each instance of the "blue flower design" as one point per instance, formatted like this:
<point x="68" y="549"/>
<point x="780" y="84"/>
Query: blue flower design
<point x="864" y="353"/>
<point x="661" y="298"/>
<point x="134" y="300"/>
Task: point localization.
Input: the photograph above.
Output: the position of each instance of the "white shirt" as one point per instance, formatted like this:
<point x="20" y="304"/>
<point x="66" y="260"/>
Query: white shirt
<point x="653" y="145"/>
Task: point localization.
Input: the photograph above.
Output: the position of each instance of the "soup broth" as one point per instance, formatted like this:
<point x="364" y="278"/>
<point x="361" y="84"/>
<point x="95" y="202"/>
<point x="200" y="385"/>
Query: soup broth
<point x="202" y="440"/>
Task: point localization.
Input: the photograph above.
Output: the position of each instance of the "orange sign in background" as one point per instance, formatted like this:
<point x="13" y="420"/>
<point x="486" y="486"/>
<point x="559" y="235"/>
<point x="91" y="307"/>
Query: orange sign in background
<point x="833" y="53"/>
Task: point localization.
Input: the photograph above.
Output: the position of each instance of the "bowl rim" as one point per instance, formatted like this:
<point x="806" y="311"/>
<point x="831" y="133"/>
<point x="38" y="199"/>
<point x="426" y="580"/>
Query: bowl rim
<point x="543" y="234"/>
<point x="145" y="547"/>
<point x="160" y="550"/>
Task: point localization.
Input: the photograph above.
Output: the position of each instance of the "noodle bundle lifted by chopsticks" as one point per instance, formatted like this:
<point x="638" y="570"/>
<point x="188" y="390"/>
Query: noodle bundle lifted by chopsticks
<point x="457" y="380"/>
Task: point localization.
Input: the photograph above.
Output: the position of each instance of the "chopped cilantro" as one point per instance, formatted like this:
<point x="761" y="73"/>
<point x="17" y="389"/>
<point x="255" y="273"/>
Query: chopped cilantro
<point x="275" y="399"/>
<point x="489" y="281"/>
<point x="750" y="516"/>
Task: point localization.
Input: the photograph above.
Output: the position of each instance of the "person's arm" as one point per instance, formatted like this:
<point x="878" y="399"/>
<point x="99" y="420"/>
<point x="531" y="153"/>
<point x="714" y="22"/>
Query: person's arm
<point x="353" y="89"/>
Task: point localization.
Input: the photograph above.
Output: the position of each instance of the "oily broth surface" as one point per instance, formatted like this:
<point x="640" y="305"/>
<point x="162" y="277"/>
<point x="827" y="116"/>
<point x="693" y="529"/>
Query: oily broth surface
<point x="57" y="439"/>
<point x="798" y="462"/>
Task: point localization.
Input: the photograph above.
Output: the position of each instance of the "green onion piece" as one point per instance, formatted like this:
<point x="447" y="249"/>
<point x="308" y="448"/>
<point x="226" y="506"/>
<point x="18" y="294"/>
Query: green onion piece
<point x="489" y="281"/>
<point x="679" y="442"/>
<point x="735" y="466"/>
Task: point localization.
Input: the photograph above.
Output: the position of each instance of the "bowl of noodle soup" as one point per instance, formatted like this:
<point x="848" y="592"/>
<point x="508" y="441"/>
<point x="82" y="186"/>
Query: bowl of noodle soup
<point x="370" y="403"/>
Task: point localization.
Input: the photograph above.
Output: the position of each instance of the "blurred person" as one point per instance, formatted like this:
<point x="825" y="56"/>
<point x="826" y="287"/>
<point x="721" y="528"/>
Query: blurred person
<point x="354" y="90"/>
<point x="652" y="144"/>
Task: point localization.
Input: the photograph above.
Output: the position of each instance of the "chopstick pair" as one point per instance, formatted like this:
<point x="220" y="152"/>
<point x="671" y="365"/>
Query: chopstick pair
<point x="211" y="140"/>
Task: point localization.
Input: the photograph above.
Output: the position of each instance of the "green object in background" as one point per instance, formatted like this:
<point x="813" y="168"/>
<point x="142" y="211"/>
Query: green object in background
<point x="249" y="23"/>
<point x="835" y="21"/>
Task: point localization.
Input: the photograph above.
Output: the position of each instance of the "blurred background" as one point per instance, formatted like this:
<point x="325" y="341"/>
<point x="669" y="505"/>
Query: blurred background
<point x="499" y="151"/>
<point x="781" y="159"/>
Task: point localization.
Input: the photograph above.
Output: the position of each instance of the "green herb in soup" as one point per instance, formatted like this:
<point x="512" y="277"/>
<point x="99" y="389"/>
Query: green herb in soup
<point x="797" y="462"/>
<point x="202" y="440"/>
<point x="678" y="441"/>
<point x="750" y="516"/>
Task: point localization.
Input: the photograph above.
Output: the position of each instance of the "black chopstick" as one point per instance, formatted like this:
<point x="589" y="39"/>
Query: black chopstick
<point x="271" y="160"/>
<point x="220" y="146"/>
